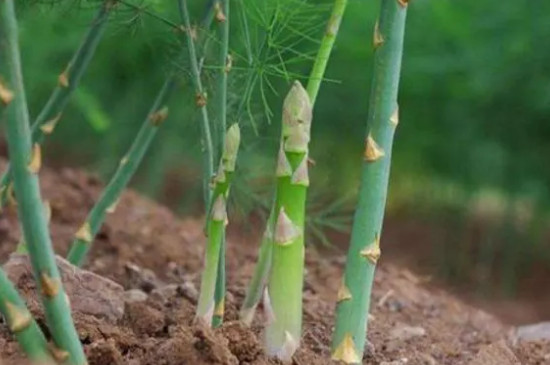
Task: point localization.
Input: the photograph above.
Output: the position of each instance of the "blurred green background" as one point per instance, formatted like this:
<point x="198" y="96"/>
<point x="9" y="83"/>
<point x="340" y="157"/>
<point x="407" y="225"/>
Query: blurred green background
<point x="472" y="151"/>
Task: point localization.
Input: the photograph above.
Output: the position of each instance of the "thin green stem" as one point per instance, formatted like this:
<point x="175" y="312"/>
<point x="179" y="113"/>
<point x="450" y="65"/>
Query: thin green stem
<point x="352" y="311"/>
<point x="68" y="81"/>
<point x="219" y="294"/>
<point x="261" y="273"/>
<point x="325" y="49"/>
<point x="215" y="227"/>
<point x="201" y="100"/>
<point x="225" y="64"/>
<point x="21" y="324"/>
<point x="126" y="170"/>
<point x="25" y="165"/>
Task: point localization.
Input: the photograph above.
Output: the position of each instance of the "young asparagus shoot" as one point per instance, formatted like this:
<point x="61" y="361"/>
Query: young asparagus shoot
<point x="30" y="208"/>
<point x="352" y="311"/>
<point x="225" y="64"/>
<point x="126" y="169"/>
<point x="262" y="269"/>
<point x="68" y="81"/>
<point x="282" y="334"/>
<point x="215" y="227"/>
<point x="21" y="324"/>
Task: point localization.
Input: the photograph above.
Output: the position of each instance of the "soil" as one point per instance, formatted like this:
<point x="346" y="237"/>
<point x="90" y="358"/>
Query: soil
<point x="157" y="258"/>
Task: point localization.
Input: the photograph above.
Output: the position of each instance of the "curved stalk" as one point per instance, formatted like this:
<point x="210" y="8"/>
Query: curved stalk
<point x="21" y="324"/>
<point x="126" y="169"/>
<point x="68" y="81"/>
<point x="25" y="158"/>
<point x="217" y="220"/>
<point x="354" y="296"/>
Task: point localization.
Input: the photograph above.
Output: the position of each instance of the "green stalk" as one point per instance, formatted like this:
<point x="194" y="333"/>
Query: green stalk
<point x="126" y="169"/>
<point x="201" y="101"/>
<point x="68" y="81"/>
<point x="219" y="293"/>
<point x="21" y="324"/>
<point x="261" y="272"/>
<point x="25" y="165"/>
<point x="325" y="49"/>
<point x="225" y="63"/>
<point x="284" y="291"/>
<point x="354" y="296"/>
<point x="215" y="227"/>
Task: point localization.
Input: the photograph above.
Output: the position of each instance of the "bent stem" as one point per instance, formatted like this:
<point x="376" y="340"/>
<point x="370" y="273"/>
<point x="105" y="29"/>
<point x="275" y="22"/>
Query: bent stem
<point x="354" y="297"/>
<point x="68" y="81"/>
<point x="25" y="158"/>
<point x="217" y="220"/>
<point x="21" y="324"/>
<point x="126" y="169"/>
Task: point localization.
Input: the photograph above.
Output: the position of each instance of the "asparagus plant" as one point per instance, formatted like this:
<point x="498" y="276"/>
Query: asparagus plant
<point x="126" y="169"/>
<point x="262" y="269"/>
<point x="68" y="81"/>
<point x="217" y="220"/>
<point x="225" y="64"/>
<point x="284" y="289"/>
<point x="354" y="296"/>
<point x="21" y="324"/>
<point x="25" y="158"/>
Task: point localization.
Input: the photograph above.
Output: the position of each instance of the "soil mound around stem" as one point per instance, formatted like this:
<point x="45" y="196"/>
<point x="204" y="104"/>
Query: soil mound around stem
<point x="157" y="257"/>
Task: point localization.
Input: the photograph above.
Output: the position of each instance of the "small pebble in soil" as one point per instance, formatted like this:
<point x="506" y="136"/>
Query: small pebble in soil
<point x="134" y="295"/>
<point x="404" y="332"/>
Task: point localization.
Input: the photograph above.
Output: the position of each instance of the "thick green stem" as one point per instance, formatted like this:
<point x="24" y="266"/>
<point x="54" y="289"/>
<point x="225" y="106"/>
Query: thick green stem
<point x="215" y="227"/>
<point x="284" y="290"/>
<point x="325" y="49"/>
<point x="225" y="64"/>
<point x="21" y="324"/>
<point x="263" y="266"/>
<point x="126" y="169"/>
<point x="354" y="296"/>
<point x="68" y="81"/>
<point x="201" y="101"/>
<point x="25" y="161"/>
